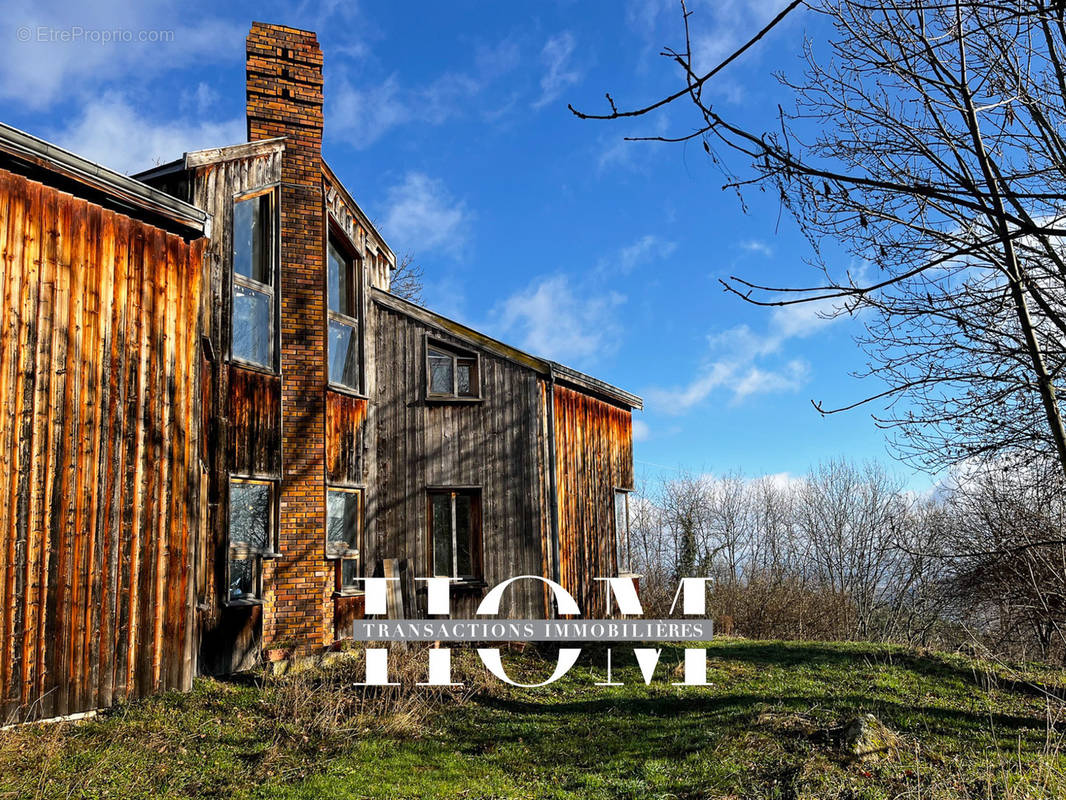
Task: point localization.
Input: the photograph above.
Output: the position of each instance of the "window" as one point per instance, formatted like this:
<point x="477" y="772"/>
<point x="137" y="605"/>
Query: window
<point x="621" y="529"/>
<point x="344" y="522"/>
<point x="455" y="533"/>
<point x="251" y="536"/>
<point x="348" y="576"/>
<point x="450" y="373"/>
<point x="254" y="276"/>
<point x="343" y="281"/>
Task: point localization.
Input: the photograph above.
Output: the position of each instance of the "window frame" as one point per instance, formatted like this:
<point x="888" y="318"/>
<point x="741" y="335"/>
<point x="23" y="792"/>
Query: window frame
<point x="273" y="290"/>
<point x="337" y="239"/>
<point x="242" y="553"/>
<point x="477" y="561"/>
<point x="456" y="354"/>
<point x="628" y="568"/>
<point x="360" y="521"/>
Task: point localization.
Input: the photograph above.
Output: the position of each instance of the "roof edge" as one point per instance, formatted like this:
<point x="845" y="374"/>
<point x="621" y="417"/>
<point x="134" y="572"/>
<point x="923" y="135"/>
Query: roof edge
<point x="544" y="367"/>
<point x="97" y="177"/>
<point x="363" y="218"/>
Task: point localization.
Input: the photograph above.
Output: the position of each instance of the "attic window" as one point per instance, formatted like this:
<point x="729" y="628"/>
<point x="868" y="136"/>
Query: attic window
<point x="451" y="374"/>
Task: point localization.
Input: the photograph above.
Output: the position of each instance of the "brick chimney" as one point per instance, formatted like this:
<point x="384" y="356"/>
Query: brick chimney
<point x="284" y="98"/>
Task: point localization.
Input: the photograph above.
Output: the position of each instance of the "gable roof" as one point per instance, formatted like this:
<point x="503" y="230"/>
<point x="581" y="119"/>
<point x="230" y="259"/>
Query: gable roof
<point x="545" y="367"/>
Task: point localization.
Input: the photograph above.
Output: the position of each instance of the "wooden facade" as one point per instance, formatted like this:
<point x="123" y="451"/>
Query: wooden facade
<point x="129" y="416"/>
<point x="99" y="446"/>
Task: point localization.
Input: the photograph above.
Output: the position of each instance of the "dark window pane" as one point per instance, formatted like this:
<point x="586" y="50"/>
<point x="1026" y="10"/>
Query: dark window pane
<point x="343" y="354"/>
<point x="250" y="516"/>
<point x="463" y="525"/>
<point x="242" y="578"/>
<point x="441" y="522"/>
<point x="342" y="521"/>
<point x="340" y="283"/>
<point x="466" y="377"/>
<point x="349" y="573"/>
<point x="252" y="255"/>
<point x="440" y="373"/>
<point x="252" y="334"/>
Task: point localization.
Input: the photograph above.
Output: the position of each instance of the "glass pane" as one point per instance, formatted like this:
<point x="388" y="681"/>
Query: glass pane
<point x="463" y="540"/>
<point x="343" y="354"/>
<point x="250" y="515"/>
<point x="252" y="335"/>
<point x="341" y="291"/>
<point x="349" y="573"/>
<point x="251" y="239"/>
<point x="465" y="377"/>
<point x="440" y="373"/>
<point x="241" y="578"/>
<point x="621" y="530"/>
<point x="342" y="521"/>
<point x="441" y="505"/>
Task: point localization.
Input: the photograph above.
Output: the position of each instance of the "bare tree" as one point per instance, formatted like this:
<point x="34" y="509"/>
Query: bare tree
<point x="408" y="280"/>
<point x="926" y="138"/>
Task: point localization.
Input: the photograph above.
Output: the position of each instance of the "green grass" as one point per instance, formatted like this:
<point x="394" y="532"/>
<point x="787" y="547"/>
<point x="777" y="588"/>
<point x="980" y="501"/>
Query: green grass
<point x="763" y="730"/>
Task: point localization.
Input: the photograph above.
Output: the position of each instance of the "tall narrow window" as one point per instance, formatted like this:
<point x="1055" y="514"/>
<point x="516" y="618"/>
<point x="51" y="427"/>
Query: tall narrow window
<point x="621" y="530"/>
<point x="451" y="374"/>
<point x="251" y="536"/>
<point x="455" y="532"/>
<point x="254" y="279"/>
<point x="343" y="283"/>
<point x="344" y="522"/>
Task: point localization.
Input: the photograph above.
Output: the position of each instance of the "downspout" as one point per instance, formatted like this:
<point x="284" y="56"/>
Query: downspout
<point x="553" y="486"/>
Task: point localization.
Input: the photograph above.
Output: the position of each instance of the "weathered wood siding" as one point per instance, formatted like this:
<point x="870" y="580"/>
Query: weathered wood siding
<point x="345" y="440"/>
<point x="494" y="444"/>
<point x="594" y="456"/>
<point x="244" y="410"/>
<point x="99" y="379"/>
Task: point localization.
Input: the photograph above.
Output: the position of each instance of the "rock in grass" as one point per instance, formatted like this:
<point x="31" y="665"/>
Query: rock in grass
<point x="866" y="738"/>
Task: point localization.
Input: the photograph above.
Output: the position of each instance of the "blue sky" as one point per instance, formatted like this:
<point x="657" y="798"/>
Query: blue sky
<point x="448" y="123"/>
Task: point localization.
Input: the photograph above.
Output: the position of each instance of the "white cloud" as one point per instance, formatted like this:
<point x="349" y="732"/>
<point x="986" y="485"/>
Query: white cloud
<point x="112" y="132"/>
<point x="551" y="319"/>
<point x="560" y="74"/>
<point x="641" y="431"/>
<point x="755" y="246"/>
<point x="56" y="49"/>
<point x="737" y="362"/>
<point x="645" y="249"/>
<point x="421" y="215"/>
<point x="363" y="115"/>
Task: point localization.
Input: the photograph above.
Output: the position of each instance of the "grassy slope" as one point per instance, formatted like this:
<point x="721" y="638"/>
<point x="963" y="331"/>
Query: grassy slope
<point x="759" y="732"/>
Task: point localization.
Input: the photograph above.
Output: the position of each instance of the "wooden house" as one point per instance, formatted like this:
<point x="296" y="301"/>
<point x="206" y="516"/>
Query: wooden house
<point x="216" y="419"/>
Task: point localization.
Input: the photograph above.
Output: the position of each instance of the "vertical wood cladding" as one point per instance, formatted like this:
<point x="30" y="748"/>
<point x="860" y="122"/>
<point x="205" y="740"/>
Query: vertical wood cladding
<point x="594" y="456"/>
<point x="242" y="412"/>
<point x="99" y="374"/>
<point x="345" y="438"/>
<point x="494" y="444"/>
<point x="284" y="98"/>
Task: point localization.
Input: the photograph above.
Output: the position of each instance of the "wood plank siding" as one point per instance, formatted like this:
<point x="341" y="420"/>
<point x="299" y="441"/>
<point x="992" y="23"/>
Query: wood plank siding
<point x="594" y="456"/>
<point x="99" y="445"/>
<point x="495" y="444"/>
<point x="242" y="407"/>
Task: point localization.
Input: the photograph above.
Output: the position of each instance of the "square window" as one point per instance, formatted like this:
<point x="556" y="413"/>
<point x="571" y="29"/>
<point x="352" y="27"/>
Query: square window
<point x="451" y="374"/>
<point x="243" y="579"/>
<point x="344" y="515"/>
<point x="455" y="531"/>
